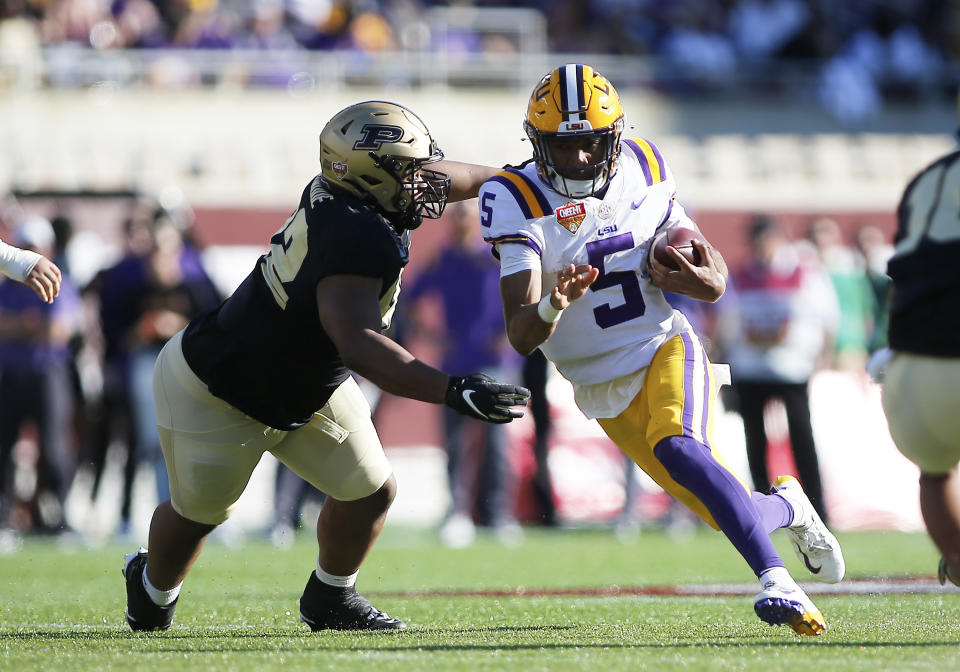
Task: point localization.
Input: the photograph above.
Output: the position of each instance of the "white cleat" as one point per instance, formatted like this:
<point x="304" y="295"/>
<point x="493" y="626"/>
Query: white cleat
<point x="814" y="544"/>
<point x="782" y="602"/>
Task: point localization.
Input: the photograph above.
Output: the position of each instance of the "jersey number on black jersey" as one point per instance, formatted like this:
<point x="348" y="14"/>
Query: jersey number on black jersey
<point x="288" y="249"/>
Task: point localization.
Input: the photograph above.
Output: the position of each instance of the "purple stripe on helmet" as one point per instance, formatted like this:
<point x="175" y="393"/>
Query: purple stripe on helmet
<point x="537" y="192"/>
<point x="512" y="188"/>
<point x="642" y="158"/>
<point x="688" y="396"/>
<point x="564" y="103"/>
<point x="581" y="94"/>
<point x="518" y="238"/>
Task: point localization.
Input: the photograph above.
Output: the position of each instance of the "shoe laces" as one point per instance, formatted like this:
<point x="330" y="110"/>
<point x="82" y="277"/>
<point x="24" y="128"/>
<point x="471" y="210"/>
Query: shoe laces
<point x="373" y="614"/>
<point x="773" y="584"/>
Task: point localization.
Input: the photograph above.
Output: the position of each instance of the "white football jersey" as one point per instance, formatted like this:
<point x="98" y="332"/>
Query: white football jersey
<point x="604" y="338"/>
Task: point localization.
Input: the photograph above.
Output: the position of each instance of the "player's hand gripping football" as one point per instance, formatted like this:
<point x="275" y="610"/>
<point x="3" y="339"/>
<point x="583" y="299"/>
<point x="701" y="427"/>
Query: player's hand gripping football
<point x="480" y="396"/>
<point x="705" y="282"/>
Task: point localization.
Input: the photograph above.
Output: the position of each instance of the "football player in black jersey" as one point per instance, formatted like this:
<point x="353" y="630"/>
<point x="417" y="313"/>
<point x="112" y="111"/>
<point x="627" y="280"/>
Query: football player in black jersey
<point x="921" y="381"/>
<point x="269" y="369"/>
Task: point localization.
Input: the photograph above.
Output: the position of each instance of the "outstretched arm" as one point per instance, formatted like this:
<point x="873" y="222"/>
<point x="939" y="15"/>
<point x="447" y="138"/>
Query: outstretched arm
<point x="465" y="178"/>
<point x="32" y="269"/>
<point x="531" y="318"/>
<point x="349" y="309"/>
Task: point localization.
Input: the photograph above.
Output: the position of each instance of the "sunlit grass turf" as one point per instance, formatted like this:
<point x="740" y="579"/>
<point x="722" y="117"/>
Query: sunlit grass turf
<point x="64" y="609"/>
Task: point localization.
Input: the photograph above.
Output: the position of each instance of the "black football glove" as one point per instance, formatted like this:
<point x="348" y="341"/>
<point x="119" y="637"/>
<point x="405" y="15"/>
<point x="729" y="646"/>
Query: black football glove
<point x="480" y="396"/>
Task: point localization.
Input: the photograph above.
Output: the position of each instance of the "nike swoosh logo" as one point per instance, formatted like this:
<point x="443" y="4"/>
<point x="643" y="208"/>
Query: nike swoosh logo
<point x="467" y="394"/>
<point x="636" y="204"/>
<point x="806" y="561"/>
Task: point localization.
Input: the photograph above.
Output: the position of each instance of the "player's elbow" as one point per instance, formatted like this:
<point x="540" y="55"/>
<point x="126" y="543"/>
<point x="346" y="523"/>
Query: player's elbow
<point x="522" y="342"/>
<point x="356" y="353"/>
<point x="353" y="361"/>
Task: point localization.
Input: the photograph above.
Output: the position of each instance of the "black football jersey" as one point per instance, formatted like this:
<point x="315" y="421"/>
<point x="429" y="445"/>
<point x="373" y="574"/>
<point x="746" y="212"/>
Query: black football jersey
<point x="263" y="350"/>
<point x="925" y="305"/>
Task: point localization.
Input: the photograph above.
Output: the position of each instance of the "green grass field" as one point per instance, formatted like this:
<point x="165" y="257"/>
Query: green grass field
<point x="62" y="609"/>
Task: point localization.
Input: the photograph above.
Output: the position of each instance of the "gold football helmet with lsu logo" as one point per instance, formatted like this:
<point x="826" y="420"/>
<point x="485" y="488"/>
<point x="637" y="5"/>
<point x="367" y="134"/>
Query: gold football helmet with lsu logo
<point x="378" y="150"/>
<point x="575" y="102"/>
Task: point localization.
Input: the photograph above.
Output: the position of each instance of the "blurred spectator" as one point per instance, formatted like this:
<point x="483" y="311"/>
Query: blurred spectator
<point x="860" y="52"/>
<point x="854" y="294"/>
<point x="207" y="30"/>
<point x="169" y="295"/>
<point x="35" y="386"/>
<point x="776" y="337"/>
<point x="465" y="278"/>
<point x="370" y="31"/>
<point x="699" y="54"/>
<point x="143" y="299"/>
<point x="762" y="28"/>
<point x="535" y="372"/>
<point x="890" y="50"/>
<point x="875" y="250"/>
<point x="267" y="32"/>
<point x="112" y="290"/>
<point x="319" y="24"/>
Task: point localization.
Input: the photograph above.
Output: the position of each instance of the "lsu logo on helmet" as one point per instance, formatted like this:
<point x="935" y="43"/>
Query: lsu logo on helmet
<point x="575" y="100"/>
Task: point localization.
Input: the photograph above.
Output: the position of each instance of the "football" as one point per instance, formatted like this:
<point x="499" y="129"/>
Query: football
<point x="680" y="238"/>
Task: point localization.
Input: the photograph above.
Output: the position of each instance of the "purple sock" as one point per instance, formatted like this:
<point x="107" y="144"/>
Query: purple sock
<point x="775" y="512"/>
<point x="691" y="465"/>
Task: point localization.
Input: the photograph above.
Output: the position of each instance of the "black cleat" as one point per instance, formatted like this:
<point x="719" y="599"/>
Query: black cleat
<point x="324" y="607"/>
<point x="142" y="614"/>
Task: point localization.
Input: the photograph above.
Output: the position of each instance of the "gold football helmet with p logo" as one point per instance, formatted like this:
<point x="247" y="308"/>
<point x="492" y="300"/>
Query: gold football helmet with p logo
<point x="377" y="150"/>
<point x="575" y="102"/>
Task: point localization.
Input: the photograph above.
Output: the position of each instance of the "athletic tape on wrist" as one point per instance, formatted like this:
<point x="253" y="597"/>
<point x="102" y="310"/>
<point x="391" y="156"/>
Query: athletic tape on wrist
<point x="547" y="312"/>
<point x="16" y="263"/>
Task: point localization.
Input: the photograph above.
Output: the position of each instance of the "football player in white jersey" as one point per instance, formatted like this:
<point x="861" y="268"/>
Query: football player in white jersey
<point x="572" y="229"/>
<point x="921" y="387"/>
